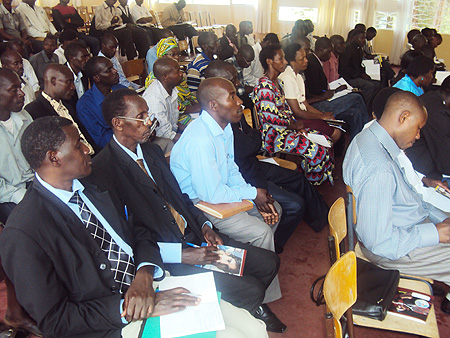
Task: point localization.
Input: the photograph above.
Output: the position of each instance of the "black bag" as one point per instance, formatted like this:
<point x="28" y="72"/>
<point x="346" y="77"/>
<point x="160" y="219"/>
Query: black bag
<point x="376" y="289"/>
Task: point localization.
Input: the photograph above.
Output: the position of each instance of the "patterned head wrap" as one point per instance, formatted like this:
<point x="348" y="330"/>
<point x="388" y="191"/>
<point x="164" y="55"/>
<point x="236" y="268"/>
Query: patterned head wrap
<point x="165" y="45"/>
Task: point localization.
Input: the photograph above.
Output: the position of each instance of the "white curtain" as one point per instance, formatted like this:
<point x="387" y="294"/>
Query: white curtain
<point x="336" y="17"/>
<point x="263" y="16"/>
<point x="402" y="25"/>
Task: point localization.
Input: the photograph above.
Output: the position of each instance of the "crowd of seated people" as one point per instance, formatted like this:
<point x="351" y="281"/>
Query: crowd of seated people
<point x="85" y="148"/>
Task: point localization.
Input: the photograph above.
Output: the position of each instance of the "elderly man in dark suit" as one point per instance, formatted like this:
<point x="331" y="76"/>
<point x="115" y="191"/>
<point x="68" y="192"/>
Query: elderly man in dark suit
<point x="138" y="174"/>
<point x="91" y="269"/>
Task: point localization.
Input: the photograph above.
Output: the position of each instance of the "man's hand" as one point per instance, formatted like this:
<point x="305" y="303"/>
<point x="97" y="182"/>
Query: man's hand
<point x="365" y="76"/>
<point x="432" y="183"/>
<point x="262" y="200"/>
<point x="199" y="256"/>
<point x="211" y="237"/>
<point x="298" y="126"/>
<point x="328" y="94"/>
<point x="173" y="300"/>
<point x="114" y="20"/>
<point x="328" y="116"/>
<point x="270" y="218"/>
<point x="140" y="297"/>
<point x="340" y="88"/>
<point x="444" y="231"/>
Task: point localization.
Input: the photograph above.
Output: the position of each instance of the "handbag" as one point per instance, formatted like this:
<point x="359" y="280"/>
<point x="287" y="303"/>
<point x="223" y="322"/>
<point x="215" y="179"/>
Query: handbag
<point x="376" y="289"/>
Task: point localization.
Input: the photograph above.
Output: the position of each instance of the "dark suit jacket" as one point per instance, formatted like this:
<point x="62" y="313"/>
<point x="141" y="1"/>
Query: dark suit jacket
<point x="40" y="107"/>
<point x="350" y="62"/>
<point x="61" y="276"/>
<point x="116" y="172"/>
<point x="316" y="81"/>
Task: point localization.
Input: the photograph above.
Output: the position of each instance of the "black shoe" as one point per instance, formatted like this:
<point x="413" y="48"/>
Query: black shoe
<point x="445" y="306"/>
<point x="273" y="324"/>
<point x="278" y="249"/>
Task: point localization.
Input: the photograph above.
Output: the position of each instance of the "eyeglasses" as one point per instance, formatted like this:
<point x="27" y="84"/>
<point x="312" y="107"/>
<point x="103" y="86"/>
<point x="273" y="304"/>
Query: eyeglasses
<point x="149" y="120"/>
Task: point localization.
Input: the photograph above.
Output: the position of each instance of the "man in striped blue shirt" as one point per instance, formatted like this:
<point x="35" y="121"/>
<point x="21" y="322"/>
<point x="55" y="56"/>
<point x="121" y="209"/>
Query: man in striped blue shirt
<point x="209" y="43"/>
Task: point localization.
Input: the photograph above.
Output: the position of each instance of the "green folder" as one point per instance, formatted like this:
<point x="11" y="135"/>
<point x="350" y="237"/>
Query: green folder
<point x="152" y="328"/>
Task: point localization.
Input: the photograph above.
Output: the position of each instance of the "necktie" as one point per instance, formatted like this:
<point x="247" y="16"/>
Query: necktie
<point x="180" y="221"/>
<point x="122" y="264"/>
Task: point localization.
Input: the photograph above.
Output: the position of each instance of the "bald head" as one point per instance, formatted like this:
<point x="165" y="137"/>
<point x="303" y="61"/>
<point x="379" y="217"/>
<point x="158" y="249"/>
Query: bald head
<point x="245" y="55"/>
<point x="163" y="66"/>
<point x="58" y="81"/>
<point x="12" y="60"/>
<point x="224" y="70"/>
<point x="403" y="117"/>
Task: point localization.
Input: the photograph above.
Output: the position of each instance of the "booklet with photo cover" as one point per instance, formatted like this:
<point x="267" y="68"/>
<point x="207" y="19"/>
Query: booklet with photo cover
<point x="411" y="305"/>
<point x="232" y="260"/>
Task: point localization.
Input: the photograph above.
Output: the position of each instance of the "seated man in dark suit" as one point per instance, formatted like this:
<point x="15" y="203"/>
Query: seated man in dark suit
<point x="350" y="107"/>
<point x="137" y="173"/>
<point x="77" y="55"/>
<point x="58" y="86"/>
<point x="290" y="188"/>
<point x="351" y="69"/>
<point x="91" y="270"/>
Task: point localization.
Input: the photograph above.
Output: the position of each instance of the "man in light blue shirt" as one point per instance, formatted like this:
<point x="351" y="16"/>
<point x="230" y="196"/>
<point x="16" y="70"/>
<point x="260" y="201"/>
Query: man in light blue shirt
<point x="397" y="229"/>
<point x="203" y="163"/>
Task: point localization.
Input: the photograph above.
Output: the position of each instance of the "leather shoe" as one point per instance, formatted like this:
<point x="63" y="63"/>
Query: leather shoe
<point x="445" y="306"/>
<point x="26" y="325"/>
<point x="273" y="324"/>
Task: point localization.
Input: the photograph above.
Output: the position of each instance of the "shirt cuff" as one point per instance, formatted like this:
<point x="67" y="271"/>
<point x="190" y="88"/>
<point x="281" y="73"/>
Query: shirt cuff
<point x="249" y="193"/>
<point x="208" y="223"/>
<point x="170" y="252"/>
<point x="157" y="273"/>
<point x="428" y="234"/>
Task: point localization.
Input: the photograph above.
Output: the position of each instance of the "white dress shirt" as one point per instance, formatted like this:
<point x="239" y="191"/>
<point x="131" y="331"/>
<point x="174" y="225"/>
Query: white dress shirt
<point x="36" y="20"/>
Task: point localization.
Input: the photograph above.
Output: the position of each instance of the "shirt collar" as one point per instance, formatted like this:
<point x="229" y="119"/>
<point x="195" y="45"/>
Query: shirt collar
<point x="321" y="63"/>
<point x="385" y="139"/>
<point x="206" y="57"/>
<point x="138" y="156"/>
<point x="75" y="76"/>
<point x="98" y="95"/>
<point x="63" y="195"/>
<point x="46" y="59"/>
<point x="50" y="99"/>
<point x="213" y="125"/>
<point x="13" y="11"/>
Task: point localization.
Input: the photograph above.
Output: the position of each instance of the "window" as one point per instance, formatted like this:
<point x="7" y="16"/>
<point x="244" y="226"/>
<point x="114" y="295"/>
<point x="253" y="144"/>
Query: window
<point x="356" y="17"/>
<point x="245" y="2"/>
<point x="433" y="14"/>
<point x="216" y="2"/>
<point x="286" y="13"/>
<point x="385" y="20"/>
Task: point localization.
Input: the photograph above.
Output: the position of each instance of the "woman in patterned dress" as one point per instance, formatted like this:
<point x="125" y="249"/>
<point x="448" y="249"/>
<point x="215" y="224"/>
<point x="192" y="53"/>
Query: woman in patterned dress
<point x="279" y="130"/>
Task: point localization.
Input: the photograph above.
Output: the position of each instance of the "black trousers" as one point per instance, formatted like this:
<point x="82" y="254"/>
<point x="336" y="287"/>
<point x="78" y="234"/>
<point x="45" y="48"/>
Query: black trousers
<point x="183" y="30"/>
<point x="298" y="198"/>
<point x="247" y="292"/>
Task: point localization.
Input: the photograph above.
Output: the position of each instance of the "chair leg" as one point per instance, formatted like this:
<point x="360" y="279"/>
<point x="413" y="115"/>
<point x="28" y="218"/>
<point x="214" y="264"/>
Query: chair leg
<point x="350" y="327"/>
<point x="329" y="324"/>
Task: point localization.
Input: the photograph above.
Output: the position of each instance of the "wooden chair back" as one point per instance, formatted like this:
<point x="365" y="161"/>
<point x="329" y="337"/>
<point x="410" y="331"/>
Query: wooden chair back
<point x="93" y="8"/>
<point x="134" y="70"/>
<point x="48" y="11"/>
<point x="338" y="226"/>
<point x="339" y="290"/>
<point x="156" y="21"/>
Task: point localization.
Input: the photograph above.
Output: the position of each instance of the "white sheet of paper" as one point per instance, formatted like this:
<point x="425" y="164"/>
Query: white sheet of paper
<point x="440" y="77"/>
<point x="319" y="139"/>
<point x="372" y="69"/>
<point x="194" y="319"/>
<point x="269" y="160"/>
<point x="336" y="83"/>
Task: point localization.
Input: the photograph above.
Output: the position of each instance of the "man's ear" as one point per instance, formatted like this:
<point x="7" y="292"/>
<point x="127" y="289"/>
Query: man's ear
<point x="53" y="80"/>
<point x="96" y="78"/>
<point x="213" y="105"/>
<point x="52" y="158"/>
<point x="404" y="116"/>
<point x="117" y="123"/>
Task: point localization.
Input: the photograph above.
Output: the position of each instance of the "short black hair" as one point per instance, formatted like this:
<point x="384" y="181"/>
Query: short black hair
<point x="419" y="66"/>
<point x="427" y="32"/>
<point x="272" y="37"/>
<point x="445" y="86"/>
<point x="379" y="101"/>
<point x="115" y="105"/>
<point x="203" y="38"/>
<point x="268" y="52"/>
<point x="217" y="68"/>
<point x="91" y="68"/>
<point x="411" y="34"/>
<point x="290" y="51"/>
<point x="51" y="37"/>
<point x="408" y="57"/>
<point x="371" y="29"/>
<point x="42" y="135"/>
<point x="243" y="23"/>
<point x="360" y="27"/>
<point x="67" y="35"/>
<point x="322" y="43"/>
<point x="73" y="49"/>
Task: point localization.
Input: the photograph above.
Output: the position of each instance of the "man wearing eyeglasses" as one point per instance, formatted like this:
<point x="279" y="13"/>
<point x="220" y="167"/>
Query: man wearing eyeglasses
<point x="102" y="73"/>
<point x="243" y="59"/>
<point x="162" y="98"/>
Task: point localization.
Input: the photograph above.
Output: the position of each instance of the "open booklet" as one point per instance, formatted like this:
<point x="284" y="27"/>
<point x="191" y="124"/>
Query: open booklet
<point x="411" y="305"/>
<point x="232" y="260"/>
<point x="337" y="83"/>
<point x="199" y="321"/>
<point x="224" y="210"/>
